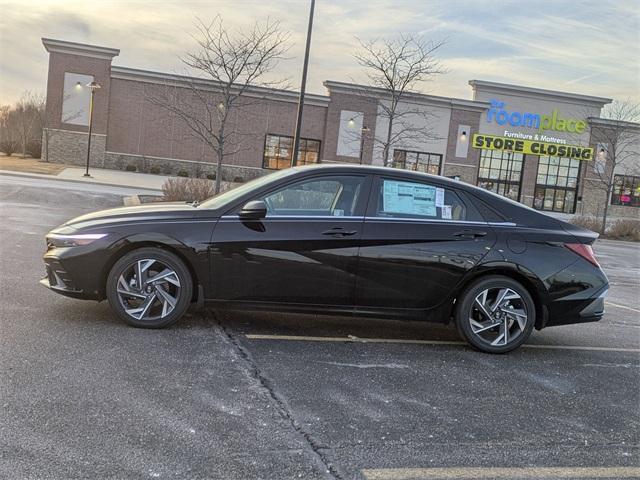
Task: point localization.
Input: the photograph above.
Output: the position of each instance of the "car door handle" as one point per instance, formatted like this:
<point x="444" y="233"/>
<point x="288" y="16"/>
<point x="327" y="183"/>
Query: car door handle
<point x="339" y="232"/>
<point x="469" y="234"/>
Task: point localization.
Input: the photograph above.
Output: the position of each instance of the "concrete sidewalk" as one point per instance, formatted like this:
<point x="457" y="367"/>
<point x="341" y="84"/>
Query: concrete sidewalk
<point x="116" y="178"/>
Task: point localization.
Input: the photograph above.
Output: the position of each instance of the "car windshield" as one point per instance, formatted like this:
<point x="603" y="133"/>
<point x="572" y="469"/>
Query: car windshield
<point x="230" y="196"/>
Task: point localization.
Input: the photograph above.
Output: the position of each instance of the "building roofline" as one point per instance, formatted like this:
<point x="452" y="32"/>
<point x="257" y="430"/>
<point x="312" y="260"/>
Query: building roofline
<point x="134" y="74"/>
<point x="507" y="87"/>
<point x="608" y="122"/>
<point x="82" y="49"/>
<point x="343" y="87"/>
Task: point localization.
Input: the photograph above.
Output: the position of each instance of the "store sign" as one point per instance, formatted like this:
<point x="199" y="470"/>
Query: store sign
<point x="554" y="121"/>
<point x="492" y="142"/>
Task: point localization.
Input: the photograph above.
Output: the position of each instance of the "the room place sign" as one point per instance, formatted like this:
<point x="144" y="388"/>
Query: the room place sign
<point x="492" y="142"/>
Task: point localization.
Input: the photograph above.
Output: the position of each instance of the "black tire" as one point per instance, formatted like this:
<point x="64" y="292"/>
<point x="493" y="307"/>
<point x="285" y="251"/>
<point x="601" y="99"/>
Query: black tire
<point x="180" y="282"/>
<point x="506" y="317"/>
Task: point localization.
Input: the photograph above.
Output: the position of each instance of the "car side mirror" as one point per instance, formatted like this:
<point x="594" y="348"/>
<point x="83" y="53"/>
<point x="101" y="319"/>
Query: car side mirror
<point x="254" y="210"/>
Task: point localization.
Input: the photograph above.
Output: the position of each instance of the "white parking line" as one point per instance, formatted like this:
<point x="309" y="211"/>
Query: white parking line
<point x="302" y="338"/>
<point x="500" y="473"/>
<point x="622" y="306"/>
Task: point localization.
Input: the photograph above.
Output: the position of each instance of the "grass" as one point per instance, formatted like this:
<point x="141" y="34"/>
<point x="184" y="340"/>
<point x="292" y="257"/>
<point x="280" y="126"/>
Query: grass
<point x="30" y="165"/>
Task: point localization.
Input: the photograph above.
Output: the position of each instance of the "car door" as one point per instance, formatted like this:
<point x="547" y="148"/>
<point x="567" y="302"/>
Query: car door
<point x="303" y="252"/>
<point x="419" y="240"/>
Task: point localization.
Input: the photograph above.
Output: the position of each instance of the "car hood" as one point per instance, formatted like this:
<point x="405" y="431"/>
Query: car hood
<point x="140" y="213"/>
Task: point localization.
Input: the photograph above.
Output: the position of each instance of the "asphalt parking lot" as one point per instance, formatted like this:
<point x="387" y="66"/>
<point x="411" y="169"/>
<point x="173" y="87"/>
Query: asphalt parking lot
<point x="244" y="396"/>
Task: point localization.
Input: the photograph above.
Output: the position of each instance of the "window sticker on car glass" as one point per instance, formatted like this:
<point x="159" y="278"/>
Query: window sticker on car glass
<point x="338" y="212"/>
<point x="439" y="197"/>
<point x="446" y="212"/>
<point x="409" y="198"/>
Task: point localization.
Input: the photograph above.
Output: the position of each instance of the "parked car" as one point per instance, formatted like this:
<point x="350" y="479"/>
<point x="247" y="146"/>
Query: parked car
<point x="338" y="239"/>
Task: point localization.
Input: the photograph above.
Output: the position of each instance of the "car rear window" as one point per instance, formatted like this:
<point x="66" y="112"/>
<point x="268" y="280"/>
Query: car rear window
<point x="406" y="199"/>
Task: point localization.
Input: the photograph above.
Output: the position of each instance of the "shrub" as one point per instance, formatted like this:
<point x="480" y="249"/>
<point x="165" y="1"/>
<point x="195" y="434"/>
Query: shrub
<point x="130" y="168"/>
<point x="211" y="176"/>
<point x="34" y="148"/>
<point x="9" y="147"/>
<point x="187" y="189"/>
<point x="182" y="173"/>
<point x="155" y="170"/>
<point x="625" y="230"/>
<point x="590" y="223"/>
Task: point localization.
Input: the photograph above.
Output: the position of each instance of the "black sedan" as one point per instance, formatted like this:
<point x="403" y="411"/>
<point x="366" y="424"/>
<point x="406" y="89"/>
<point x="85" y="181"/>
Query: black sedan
<point x="338" y="239"/>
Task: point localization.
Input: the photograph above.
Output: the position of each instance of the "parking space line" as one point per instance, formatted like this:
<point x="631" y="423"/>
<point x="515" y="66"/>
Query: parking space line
<point x="500" y="473"/>
<point x="622" y="306"/>
<point x="303" y="338"/>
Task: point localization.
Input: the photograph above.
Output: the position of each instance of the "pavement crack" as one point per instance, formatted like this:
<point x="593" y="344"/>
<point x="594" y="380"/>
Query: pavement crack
<point x="279" y="401"/>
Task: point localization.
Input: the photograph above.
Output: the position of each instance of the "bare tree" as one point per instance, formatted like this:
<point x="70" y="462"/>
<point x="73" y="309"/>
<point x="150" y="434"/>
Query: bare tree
<point x="399" y="66"/>
<point x="27" y="118"/>
<point x="234" y="62"/>
<point x="618" y="133"/>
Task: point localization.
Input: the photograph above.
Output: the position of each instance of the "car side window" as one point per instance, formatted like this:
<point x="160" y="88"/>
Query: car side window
<point x="406" y="199"/>
<point x="327" y="196"/>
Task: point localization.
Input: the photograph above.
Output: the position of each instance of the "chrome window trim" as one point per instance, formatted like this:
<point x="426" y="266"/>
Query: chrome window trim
<point x="425" y="220"/>
<point x="299" y="217"/>
<point x="375" y="219"/>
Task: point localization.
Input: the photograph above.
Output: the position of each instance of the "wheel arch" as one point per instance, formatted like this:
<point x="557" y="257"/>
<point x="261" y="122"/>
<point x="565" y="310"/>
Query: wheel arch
<point x="127" y="245"/>
<point x="520" y="275"/>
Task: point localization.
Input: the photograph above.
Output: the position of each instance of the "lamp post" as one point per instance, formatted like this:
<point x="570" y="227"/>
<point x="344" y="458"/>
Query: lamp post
<point x="296" y="133"/>
<point x="93" y="86"/>
<point x="363" y="132"/>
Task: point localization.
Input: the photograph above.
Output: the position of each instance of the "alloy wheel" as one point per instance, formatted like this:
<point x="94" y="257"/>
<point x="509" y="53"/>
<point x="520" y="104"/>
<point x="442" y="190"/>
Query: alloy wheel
<point x="498" y="316"/>
<point x="148" y="289"/>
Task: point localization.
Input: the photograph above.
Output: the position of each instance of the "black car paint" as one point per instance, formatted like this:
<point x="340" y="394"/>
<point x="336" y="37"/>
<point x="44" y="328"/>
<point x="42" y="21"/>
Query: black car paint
<point x="389" y="268"/>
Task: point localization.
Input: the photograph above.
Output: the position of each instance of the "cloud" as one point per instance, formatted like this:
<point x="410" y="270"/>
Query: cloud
<point x="589" y="47"/>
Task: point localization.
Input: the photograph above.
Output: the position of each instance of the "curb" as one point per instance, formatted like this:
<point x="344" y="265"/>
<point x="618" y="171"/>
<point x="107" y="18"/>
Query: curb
<point x="54" y="177"/>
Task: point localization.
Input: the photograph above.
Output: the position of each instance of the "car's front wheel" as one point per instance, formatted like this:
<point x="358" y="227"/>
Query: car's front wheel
<point x="495" y="314"/>
<point x="149" y="288"/>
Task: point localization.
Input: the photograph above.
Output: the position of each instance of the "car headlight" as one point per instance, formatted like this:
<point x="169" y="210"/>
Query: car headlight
<point x="74" y="240"/>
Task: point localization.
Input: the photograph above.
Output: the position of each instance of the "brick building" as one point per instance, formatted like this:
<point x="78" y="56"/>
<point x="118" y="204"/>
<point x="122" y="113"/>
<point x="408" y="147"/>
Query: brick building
<point x="540" y="147"/>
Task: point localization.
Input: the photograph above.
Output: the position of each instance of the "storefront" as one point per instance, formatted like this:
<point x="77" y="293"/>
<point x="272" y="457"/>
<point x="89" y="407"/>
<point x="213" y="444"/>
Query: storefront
<point x="535" y="144"/>
<point x="532" y="145"/>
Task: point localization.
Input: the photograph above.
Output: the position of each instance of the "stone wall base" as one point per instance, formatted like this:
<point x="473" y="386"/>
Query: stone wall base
<point x="65" y="146"/>
<point x="183" y="168"/>
<point x="70" y="148"/>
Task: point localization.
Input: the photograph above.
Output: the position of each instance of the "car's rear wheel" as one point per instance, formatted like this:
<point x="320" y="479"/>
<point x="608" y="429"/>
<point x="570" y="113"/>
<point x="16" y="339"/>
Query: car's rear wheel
<point x="495" y="314"/>
<point x="149" y="288"/>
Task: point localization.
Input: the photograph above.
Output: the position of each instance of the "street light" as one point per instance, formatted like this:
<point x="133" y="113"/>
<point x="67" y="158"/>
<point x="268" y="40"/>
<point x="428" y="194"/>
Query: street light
<point x="303" y="86"/>
<point x="93" y="86"/>
<point x="363" y="132"/>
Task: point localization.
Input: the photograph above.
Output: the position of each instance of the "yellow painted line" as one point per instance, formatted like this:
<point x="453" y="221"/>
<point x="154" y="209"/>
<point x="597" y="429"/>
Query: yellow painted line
<point x="622" y="306"/>
<point x="302" y="338"/>
<point x="500" y="473"/>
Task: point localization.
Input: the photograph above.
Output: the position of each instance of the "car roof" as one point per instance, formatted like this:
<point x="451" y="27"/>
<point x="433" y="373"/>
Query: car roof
<point x="376" y="170"/>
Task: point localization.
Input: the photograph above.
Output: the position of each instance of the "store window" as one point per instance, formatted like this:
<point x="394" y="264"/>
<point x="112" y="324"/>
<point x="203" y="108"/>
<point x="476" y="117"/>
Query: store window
<point x="278" y="151"/>
<point x="501" y="172"/>
<point x="626" y="191"/>
<point x="417" y="161"/>
<point x="557" y="184"/>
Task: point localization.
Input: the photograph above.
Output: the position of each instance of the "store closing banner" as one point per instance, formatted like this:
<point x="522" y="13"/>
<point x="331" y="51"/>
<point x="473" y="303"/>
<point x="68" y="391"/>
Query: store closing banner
<point x="491" y="142"/>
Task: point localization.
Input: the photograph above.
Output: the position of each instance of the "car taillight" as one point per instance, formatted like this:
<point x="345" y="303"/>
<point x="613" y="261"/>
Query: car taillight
<point x="585" y="251"/>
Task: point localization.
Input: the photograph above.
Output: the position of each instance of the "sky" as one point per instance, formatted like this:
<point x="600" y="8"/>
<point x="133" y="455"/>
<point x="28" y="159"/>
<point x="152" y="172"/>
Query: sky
<point x="587" y="47"/>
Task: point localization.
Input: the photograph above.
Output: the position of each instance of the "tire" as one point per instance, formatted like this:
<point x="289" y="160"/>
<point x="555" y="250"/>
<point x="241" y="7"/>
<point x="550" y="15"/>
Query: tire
<point x="490" y="326"/>
<point x="162" y="297"/>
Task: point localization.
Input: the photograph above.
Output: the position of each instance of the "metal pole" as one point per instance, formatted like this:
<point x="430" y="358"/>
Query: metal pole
<point x="86" y="173"/>
<point x="296" y="135"/>
<point x="363" y="131"/>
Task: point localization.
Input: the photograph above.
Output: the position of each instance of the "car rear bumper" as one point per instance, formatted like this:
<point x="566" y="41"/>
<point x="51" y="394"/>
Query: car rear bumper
<point x="594" y="311"/>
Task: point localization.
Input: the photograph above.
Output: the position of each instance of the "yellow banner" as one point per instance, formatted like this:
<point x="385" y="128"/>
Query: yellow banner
<point x="532" y="147"/>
